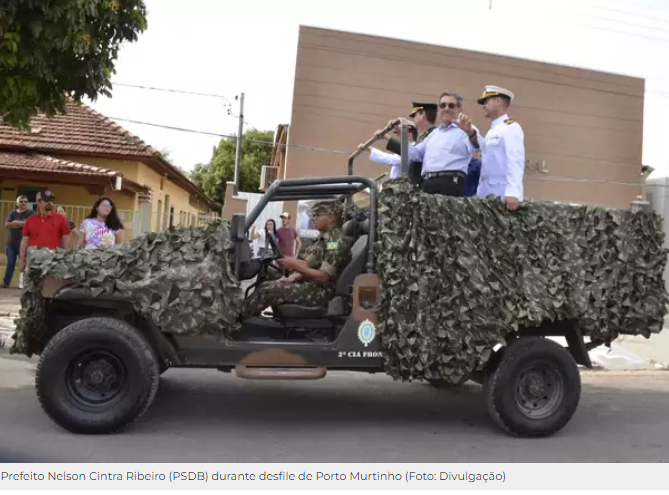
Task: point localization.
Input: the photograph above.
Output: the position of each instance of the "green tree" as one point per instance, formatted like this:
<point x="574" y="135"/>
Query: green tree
<point x="221" y="169"/>
<point x="51" y="50"/>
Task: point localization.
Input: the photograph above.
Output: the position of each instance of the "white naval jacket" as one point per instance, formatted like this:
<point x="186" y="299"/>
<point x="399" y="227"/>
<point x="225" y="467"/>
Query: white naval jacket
<point x="503" y="160"/>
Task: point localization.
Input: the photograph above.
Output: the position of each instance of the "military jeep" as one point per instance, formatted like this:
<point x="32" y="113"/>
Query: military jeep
<point x="101" y="361"/>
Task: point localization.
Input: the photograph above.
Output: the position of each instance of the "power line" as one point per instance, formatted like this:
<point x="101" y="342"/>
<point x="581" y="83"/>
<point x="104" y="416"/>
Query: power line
<point x="169" y="90"/>
<point x="532" y="177"/>
<point x="626" y="13"/>
<point x="229" y="136"/>
<point x="602" y="28"/>
<point x="580" y="14"/>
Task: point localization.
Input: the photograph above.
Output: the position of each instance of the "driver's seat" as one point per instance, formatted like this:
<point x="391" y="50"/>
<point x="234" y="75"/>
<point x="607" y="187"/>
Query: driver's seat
<point x="352" y="229"/>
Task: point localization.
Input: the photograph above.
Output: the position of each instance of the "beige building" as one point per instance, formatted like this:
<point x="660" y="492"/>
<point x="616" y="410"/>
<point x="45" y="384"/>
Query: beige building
<point x="81" y="155"/>
<point x="583" y="129"/>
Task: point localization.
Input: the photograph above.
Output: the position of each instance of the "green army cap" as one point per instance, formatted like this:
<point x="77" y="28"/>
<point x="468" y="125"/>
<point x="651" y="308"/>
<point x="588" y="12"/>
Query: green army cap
<point x="421" y="107"/>
<point x="328" y="206"/>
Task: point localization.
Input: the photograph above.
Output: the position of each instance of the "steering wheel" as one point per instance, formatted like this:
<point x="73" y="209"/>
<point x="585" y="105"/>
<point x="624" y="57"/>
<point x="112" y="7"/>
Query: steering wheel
<point x="274" y="243"/>
<point x="278" y="254"/>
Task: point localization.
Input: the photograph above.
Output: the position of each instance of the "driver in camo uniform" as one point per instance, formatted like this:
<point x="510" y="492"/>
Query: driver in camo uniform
<point x="315" y="272"/>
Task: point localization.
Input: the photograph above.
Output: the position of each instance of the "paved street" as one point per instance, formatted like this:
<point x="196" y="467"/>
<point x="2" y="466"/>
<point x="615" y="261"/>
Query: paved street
<point x="202" y="416"/>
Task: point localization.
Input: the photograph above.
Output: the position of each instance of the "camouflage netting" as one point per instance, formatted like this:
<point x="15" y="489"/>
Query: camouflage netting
<point x="180" y="279"/>
<point x="459" y="274"/>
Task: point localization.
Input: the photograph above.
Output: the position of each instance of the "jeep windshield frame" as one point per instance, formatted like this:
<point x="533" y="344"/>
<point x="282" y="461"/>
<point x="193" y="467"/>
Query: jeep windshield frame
<point x="323" y="188"/>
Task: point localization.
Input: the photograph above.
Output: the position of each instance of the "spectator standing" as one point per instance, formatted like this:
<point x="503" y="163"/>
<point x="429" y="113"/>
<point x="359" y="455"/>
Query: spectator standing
<point x="46" y="229"/>
<point x="15" y="222"/>
<point x="289" y="241"/>
<point x="262" y="246"/>
<point x="102" y="228"/>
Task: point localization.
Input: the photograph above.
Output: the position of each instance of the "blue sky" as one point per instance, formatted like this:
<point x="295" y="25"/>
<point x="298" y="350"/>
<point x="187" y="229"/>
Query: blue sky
<point x="225" y="48"/>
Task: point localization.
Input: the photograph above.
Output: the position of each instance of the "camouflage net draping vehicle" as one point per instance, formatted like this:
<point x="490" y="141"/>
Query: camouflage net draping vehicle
<point x="438" y="289"/>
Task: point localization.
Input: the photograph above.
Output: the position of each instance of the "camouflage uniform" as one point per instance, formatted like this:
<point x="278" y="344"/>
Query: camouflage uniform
<point x="330" y="253"/>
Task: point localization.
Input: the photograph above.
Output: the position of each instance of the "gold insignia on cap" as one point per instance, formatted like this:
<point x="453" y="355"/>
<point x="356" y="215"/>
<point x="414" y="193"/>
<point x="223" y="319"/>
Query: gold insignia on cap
<point x="490" y="91"/>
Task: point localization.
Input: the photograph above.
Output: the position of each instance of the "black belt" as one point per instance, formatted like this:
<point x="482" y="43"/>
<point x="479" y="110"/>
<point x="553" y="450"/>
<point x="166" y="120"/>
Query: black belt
<point x="456" y="175"/>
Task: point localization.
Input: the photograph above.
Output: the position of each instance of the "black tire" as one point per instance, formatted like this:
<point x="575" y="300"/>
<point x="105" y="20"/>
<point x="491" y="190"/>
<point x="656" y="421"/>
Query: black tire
<point x="535" y="389"/>
<point x="110" y="391"/>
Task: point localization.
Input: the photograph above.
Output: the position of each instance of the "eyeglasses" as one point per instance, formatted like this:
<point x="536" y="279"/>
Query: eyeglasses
<point x="47" y="199"/>
<point x="450" y="105"/>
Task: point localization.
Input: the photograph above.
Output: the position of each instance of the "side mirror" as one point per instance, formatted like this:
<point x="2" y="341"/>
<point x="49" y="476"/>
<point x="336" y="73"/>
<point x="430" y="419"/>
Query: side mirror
<point x="238" y="227"/>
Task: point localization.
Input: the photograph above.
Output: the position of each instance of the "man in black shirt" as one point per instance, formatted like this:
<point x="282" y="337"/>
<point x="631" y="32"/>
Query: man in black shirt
<point x="14" y="224"/>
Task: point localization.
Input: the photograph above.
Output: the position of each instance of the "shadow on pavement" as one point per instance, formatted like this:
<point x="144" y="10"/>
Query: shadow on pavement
<point x="209" y="411"/>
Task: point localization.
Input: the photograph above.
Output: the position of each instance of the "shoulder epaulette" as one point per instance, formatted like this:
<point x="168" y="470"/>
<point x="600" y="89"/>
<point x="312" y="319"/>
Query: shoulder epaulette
<point x="509" y="121"/>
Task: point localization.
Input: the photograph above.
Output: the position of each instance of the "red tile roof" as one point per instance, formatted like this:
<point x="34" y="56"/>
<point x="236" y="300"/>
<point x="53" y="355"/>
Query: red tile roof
<point x="35" y="162"/>
<point x="82" y="130"/>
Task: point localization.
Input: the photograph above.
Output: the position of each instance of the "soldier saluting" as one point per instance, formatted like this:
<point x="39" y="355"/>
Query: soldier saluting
<point x="425" y="116"/>
<point x="503" y="163"/>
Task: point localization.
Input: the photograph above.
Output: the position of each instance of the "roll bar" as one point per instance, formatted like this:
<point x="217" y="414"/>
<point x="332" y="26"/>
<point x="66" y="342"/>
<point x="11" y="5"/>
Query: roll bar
<point x="322" y="188"/>
<point x="376" y="136"/>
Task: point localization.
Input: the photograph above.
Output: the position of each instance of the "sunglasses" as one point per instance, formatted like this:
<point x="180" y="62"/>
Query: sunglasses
<point x="450" y="105"/>
<point x="47" y="199"/>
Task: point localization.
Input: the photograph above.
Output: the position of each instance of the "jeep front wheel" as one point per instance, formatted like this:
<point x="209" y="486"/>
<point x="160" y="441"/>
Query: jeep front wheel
<point x="97" y="375"/>
<point x="535" y="389"/>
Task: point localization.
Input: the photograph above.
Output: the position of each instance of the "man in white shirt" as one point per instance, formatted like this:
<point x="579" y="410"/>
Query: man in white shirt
<point x="503" y="162"/>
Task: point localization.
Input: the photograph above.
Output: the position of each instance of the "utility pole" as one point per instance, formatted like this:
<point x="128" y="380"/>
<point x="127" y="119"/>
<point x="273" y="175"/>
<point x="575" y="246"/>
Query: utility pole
<point x="240" y="132"/>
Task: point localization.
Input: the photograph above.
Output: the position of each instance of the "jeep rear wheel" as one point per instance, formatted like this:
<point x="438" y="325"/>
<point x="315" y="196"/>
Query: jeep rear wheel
<point x="535" y="389"/>
<point x="97" y="375"/>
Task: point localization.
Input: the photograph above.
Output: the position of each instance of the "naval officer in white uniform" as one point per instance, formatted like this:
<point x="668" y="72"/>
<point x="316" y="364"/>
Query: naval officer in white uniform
<point x="503" y="162"/>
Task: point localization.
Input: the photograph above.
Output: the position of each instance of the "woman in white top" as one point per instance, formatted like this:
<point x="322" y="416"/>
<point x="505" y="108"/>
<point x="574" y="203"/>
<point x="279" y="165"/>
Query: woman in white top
<point x="261" y="237"/>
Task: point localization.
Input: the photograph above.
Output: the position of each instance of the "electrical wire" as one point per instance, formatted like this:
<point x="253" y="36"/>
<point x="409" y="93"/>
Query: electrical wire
<point x="601" y="28"/>
<point x="609" y="19"/>
<point x="169" y="90"/>
<point x="626" y="13"/>
<point x="179" y="91"/>
<point x="230" y="136"/>
<point x="530" y="176"/>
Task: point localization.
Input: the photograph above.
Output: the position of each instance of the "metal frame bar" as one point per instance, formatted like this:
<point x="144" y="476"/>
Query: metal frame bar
<point x="369" y="142"/>
<point x="342" y="185"/>
<point x="324" y="189"/>
<point x="404" y="155"/>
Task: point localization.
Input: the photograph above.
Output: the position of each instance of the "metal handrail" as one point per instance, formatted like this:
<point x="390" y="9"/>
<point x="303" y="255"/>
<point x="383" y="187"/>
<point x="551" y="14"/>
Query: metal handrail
<point x="375" y="137"/>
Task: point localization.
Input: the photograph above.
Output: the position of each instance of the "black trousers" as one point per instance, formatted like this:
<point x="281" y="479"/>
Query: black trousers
<point x="449" y="185"/>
